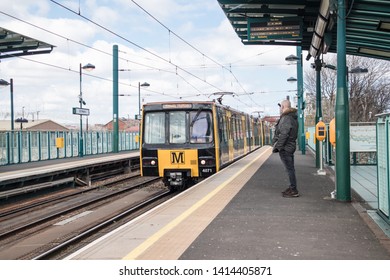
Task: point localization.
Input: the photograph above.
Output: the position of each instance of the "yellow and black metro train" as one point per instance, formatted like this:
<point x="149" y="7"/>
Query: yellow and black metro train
<point x="182" y="142"/>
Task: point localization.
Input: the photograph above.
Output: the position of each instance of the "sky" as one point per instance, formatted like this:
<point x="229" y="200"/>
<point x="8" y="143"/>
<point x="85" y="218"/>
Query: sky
<point x="186" y="50"/>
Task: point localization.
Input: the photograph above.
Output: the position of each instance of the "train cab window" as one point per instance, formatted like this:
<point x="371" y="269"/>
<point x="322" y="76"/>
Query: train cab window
<point x="201" y="127"/>
<point x="177" y="127"/>
<point x="154" y="128"/>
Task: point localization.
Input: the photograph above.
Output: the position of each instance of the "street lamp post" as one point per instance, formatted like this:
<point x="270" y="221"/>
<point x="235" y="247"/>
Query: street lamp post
<point x="145" y="84"/>
<point x="11" y="84"/>
<point x="87" y="67"/>
<point x="301" y="103"/>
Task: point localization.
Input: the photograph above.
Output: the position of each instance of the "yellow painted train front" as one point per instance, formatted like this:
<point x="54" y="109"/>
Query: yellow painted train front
<point x="182" y="142"/>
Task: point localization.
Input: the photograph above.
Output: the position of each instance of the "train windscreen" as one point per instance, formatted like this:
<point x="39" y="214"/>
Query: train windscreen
<point x="194" y="127"/>
<point x="201" y="127"/>
<point x="154" y="128"/>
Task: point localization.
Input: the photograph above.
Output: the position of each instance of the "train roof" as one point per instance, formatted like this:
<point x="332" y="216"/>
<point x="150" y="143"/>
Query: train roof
<point x="208" y="102"/>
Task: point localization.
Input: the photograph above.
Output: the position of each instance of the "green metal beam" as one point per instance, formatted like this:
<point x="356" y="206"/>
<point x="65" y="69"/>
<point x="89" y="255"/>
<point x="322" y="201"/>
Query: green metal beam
<point x="343" y="171"/>
<point x="115" y="95"/>
<point x="318" y="66"/>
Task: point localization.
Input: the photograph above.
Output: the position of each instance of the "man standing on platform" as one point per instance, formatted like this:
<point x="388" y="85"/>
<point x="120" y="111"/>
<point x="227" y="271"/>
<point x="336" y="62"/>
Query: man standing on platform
<point x="284" y="143"/>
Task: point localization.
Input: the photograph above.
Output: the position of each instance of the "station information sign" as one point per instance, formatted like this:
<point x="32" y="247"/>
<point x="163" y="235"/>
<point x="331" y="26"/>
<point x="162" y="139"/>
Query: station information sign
<point x="274" y="28"/>
<point x="80" y="111"/>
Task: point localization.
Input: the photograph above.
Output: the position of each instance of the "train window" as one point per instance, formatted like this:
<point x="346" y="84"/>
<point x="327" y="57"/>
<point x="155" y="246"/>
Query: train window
<point x="223" y="128"/>
<point x="177" y="127"/>
<point x="154" y="128"/>
<point x="201" y="127"/>
<point x="235" y="129"/>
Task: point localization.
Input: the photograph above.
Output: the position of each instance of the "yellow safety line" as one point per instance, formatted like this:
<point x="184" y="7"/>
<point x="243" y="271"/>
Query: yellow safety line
<point x="151" y="240"/>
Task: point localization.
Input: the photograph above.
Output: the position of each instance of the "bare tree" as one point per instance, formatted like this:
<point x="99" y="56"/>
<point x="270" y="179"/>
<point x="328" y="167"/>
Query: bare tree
<point x="369" y="93"/>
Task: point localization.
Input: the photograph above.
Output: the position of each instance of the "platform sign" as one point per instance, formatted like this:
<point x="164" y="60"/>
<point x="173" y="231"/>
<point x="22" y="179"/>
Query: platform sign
<point x="80" y="111"/>
<point x="260" y="29"/>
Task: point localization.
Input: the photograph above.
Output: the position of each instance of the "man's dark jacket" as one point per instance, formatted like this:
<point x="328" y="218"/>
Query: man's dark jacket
<point x="286" y="132"/>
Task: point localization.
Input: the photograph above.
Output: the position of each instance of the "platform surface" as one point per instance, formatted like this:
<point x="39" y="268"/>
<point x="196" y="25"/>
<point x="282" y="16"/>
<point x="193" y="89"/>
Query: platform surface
<point x="240" y="214"/>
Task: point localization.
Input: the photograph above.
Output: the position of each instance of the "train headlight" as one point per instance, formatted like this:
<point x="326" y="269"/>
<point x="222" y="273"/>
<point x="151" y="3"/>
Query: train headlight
<point x="149" y="162"/>
<point x="207" y="161"/>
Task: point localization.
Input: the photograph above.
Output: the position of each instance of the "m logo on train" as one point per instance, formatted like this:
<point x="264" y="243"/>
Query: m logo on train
<point x="177" y="157"/>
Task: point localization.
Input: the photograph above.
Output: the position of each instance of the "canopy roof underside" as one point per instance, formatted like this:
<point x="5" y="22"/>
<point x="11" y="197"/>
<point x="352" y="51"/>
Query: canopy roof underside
<point x="312" y="24"/>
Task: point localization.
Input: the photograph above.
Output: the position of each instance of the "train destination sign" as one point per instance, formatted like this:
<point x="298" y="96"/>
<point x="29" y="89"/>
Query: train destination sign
<point x="80" y="111"/>
<point x="274" y="28"/>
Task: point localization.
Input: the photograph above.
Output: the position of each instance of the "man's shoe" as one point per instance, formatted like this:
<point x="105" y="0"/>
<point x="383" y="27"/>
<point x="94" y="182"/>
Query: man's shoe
<point x="286" y="190"/>
<point x="291" y="193"/>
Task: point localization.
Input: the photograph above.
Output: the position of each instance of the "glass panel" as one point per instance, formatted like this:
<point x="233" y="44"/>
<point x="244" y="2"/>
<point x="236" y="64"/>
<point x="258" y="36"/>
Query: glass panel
<point x="177" y="127"/>
<point x="154" y="130"/>
<point x="201" y="129"/>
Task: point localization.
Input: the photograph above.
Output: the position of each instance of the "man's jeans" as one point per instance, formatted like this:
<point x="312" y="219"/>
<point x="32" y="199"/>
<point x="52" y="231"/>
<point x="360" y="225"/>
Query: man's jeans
<point x="288" y="161"/>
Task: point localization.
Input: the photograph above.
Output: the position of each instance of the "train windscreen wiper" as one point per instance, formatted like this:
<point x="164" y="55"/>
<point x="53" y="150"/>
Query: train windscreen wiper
<point x="196" y="116"/>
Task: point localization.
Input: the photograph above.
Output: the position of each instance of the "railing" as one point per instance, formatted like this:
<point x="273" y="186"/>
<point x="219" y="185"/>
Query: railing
<point x="362" y="144"/>
<point x="29" y="146"/>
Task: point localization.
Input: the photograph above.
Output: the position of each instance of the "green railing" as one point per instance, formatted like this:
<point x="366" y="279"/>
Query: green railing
<point x="29" y="146"/>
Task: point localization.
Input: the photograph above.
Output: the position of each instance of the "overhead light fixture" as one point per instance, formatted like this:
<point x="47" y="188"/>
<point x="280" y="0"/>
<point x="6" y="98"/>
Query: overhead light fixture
<point x="292" y="58"/>
<point x="330" y="66"/>
<point x="374" y="52"/>
<point x="88" y="67"/>
<point x="292" y="80"/>
<point x="358" y="70"/>
<point x="384" y="26"/>
<point x="3" y="83"/>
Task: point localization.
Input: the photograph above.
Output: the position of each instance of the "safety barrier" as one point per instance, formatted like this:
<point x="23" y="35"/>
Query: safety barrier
<point x="362" y="144"/>
<point x="29" y="146"/>
<point x="383" y="134"/>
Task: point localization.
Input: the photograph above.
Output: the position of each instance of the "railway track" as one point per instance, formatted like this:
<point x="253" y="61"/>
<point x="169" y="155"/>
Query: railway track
<point x="62" y="249"/>
<point x="21" y="225"/>
<point x="35" y="203"/>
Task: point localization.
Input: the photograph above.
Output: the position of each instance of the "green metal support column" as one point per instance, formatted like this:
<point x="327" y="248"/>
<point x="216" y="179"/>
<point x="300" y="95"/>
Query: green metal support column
<point x="301" y="118"/>
<point x="318" y="66"/>
<point x="115" y="124"/>
<point x="343" y="171"/>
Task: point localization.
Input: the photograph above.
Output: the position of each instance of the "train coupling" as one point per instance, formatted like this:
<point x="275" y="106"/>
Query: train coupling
<point x="175" y="178"/>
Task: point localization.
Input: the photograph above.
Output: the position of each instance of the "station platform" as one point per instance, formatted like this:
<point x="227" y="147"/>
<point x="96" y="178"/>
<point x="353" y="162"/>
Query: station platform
<point x="240" y="214"/>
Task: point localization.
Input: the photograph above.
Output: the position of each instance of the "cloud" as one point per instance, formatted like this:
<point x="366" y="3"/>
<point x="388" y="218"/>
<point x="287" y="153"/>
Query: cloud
<point x="51" y="83"/>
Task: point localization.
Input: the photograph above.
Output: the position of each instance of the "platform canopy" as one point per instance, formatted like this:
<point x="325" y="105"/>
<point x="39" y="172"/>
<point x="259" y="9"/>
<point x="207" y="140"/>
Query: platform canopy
<point x="312" y="24"/>
<point x="13" y="44"/>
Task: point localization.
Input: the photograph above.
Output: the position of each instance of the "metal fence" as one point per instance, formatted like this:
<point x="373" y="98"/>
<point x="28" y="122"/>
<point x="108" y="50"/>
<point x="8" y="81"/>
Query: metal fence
<point x="383" y="129"/>
<point x="29" y="146"/>
<point x="363" y="148"/>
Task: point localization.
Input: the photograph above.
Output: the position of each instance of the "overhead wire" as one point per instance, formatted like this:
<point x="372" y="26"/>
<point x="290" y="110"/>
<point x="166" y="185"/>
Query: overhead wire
<point x="190" y="45"/>
<point x="132" y="43"/>
<point x="148" y="67"/>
